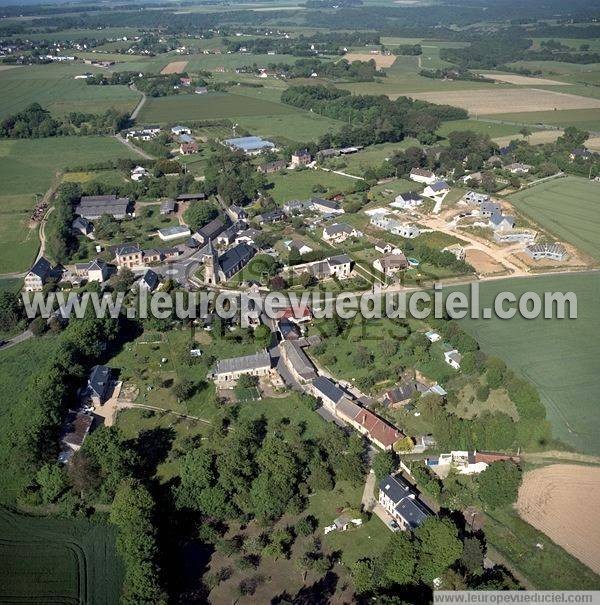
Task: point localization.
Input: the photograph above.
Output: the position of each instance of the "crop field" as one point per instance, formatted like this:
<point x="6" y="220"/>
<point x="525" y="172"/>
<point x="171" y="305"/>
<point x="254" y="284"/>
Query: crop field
<point x="560" y="500"/>
<point x="567" y="208"/>
<point x="27" y="170"/>
<point x="559" y="357"/>
<point x="300" y="184"/>
<point x="493" y="129"/>
<point x="586" y="119"/>
<point x="212" y="106"/>
<point x="175" y="67"/>
<point x="54" y="88"/>
<point x="380" y="60"/>
<point x="68" y="561"/>
<point x="522" y="80"/>
<point x="231" y="61"/>
<point x="490" y="102"/>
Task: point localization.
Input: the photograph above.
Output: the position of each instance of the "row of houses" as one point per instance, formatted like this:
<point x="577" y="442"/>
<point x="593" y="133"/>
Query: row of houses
<point x="394" y="226"/>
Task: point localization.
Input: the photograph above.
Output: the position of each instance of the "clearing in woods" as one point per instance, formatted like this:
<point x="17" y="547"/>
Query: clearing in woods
<point x="175" y="67"/>
<point x="568" y="208"/>
<point x="509" y="100"/>
<point x="561" y="500"/>
<point x="69" y="561"/>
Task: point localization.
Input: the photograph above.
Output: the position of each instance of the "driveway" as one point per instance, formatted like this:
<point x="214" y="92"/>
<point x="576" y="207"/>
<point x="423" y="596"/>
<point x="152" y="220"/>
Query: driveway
<point x="368" y="499"/>
<point x="15" y="340"/>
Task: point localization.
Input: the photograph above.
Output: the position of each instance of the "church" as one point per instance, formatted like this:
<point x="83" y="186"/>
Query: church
<point x="219" y="269"/>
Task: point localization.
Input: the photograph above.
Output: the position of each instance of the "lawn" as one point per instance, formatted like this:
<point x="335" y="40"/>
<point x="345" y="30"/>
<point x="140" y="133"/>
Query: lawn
<point x="301" y="184"/>
<point x="57" y="561"/>
<point x="568" y="208"/>
<point x="17" y="366"/>
<point x="211" y="106"/>
<point x="550" y="568"/>
<point x="558" y="356"/>
<point x="371" y="157"/>
<point x="27" y="170"/>
<point x="54" y="88"/>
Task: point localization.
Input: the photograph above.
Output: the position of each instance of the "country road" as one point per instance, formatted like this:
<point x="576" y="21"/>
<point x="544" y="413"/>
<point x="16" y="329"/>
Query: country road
<point x="140" y="104"/>
<point x="133" y="148"/>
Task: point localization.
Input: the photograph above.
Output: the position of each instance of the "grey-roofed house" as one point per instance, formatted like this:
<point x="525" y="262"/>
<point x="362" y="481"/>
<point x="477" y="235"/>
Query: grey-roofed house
<point x="38" y="275"/>
<point x="327" y="391"/>
<point x="340" y="266"/>
<point x="296" y="361"/>
<point x="438" y="188"/>
<point x="400" y="500"/>
<point x="98" y="384"/>
<point x="96" y="270"/>
<point x="274" y="216"/>
<point x="325" y="206"/>
<point x="297" y="206"/>
<point x="167" y="234"/>
<point x="226" y="372"/>
<point x="229" y="235"/>
<point x="236" y="212"/>
<point x="271" y="167"/>
<point x="489" y="208"/>
<point x="149" y="281"/>
<point x="82" y="225"/>
<point x="168" y="207"/>
<point x="408" y="199"/>
<point x="74" y="431"/>
<point x="191" y="197"/>
<point x="500" y="222"/>
<point x="93" y="207"/>
<point x="401" y="393"/>
<point x="211" y="230"/>
<point x="339" y="232"/>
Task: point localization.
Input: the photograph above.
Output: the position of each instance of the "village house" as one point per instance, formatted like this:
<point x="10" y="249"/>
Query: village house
<point x="167" y="234"/>
<point x="98" y="384"/>
<point x="38" y="275"/>
<point x="73" y="433"/>
<point x="377" y="430"/>
<point x="474" y="178"/>
<point x="83" y="226"/>
<point x="475" y="199"/>
<point x="421" y="175"/>
<point x="226" y="372"/>
<point x="236" y="213"/>
<point x="93" y="207"/>
<point x="464" y="462"/>
<point x="288" y="329"/>
<point x="297" y="245"/>
<point x="188" y="148"/>
<point x="327" y="153"/>
<point x="94" y="271"/>
<point x="129" y="255"/>
<point x="500" y="222"/>
<point x="228" y="236"/>
<point x="518" y="168"/>
<point x="271" y="167"/>
<point x="149" y="281"/>
<point x="407" y="200"/>
<point x="383" y="247"/>
<point x="390" y="264"/>
<point x="401" y="501"/>
<point x="325" y="206"/>
<point x="144" y="134"/>
<point x="327" y="392"/>
<point x="268" y="218"/>
<point x="439" y="189"/>
<point x="301" y="158"/>
<point x="339" y="266"/>
<point x="546" y="251"/>
<point x="296" y="361"/>
<point x="297" y="207"/>
<point x="402" y="393"/>
<point x="581" y="153"/>
<point x="168" y="207"/>
<point x="247" y="236"/>
<point x="179" y="130"/>
<point x="452" y="358"/>
<point x="488" y="209"/>
<point x="298" y="314"/>
<point x="138" y="173"/>
<point x="394" y="226"/>
<point x="339" y="232"/>
<point x="211" y="230"/>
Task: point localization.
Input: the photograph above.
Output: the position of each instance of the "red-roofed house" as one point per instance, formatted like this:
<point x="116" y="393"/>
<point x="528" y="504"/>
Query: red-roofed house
<point x="489" y="457"/>
<point x="377" y="430"/>
<point x="296" y="314"/>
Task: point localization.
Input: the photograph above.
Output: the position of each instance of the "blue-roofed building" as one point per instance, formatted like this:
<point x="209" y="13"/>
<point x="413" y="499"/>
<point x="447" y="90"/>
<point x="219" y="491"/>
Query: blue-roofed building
<point x="400" y="500"/>
<point x="98" y="384"/>
<point x="250" y="145"/>
<point x="327" y="391"/>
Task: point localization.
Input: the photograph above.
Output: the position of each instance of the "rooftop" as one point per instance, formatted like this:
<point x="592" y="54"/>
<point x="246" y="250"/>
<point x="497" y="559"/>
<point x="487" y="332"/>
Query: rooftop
<point x="258" y="360"/>
<point x="328" y="389"/>
<point x="251" y="143"/>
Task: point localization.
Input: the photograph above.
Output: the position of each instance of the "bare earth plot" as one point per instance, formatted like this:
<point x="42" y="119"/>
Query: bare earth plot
<point x="504" y="101"/>
<point x="523" y="80"/>
<point x="380" y="60"/>
<point x="175" y="67"/>
<point x="561" y="500"/>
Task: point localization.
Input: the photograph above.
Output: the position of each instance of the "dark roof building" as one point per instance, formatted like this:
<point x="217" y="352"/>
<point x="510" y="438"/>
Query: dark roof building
<point x="94" y="206"/>
<point x="234" y="260"/>
<point x="98" y="383"/>
<point x="211" y="230"/>
<point x="399" y="499"/>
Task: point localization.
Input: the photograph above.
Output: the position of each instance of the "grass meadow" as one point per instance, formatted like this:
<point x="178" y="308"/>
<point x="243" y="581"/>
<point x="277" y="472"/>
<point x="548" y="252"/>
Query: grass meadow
<point x="559" y="356"/>
<point x="46" y="560"/>
<point x="27" y="170"/>
<point x="493" y="129"/>
<point x="300" y="184"/>
<point x="55" y="89"/>
<point x="586" y="119"/>
<point x="568" y="208"/>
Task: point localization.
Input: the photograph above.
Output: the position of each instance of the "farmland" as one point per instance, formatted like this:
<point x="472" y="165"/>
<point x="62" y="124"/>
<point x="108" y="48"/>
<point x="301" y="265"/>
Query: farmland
<point x="557" y="356"/>
<point x="587" y="119"/>
<point x="57" y="561"/>
<point x="27" y="170"/>
<point x="53" y="87"/>
<point x="490" y="102"/>
<point x="560" y="501"/>
<point x="568" y="208"/>
<point x="212" y="106"/>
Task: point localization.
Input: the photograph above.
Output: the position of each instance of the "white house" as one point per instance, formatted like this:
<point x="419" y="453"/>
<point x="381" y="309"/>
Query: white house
<point x="436" y="190"/>
<point x="475" y="199"/>
<point x="421" y="175"/>
<point x="452" y="358"/>
<point x="179" y="130"/>
<point x="400" y="500"/>
<point x="339" y="232"/>
<point x="464" y="462"/>
<point x="406" y="200"/>
<point x="298" y="245"/>
<point x="432" y="336"/>
<point x="518" y="168"/>
<point x="500" y="222"/>
<point x="167" y="234"/>
<point x="138" y="173"/>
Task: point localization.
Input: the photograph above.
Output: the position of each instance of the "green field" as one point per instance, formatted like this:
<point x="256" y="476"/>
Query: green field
<point x="371" y="157"/>
<point x="49" y="561"/>
<point x="493" y="129"/>
<point x="27" y="169"/>
<point x="568" y="208"/>
<point x="212" y="106"/>
<point x="559" y="356"/>
<point x="299" y="184"/>
<point x="54" y="88"/>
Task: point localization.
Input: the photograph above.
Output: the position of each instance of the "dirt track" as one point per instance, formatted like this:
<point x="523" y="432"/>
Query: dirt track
<point x="562" y="501"/>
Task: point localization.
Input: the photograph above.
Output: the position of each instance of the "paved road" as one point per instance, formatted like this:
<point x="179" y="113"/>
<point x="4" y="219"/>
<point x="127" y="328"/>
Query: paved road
<point x="15" y="340"/>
